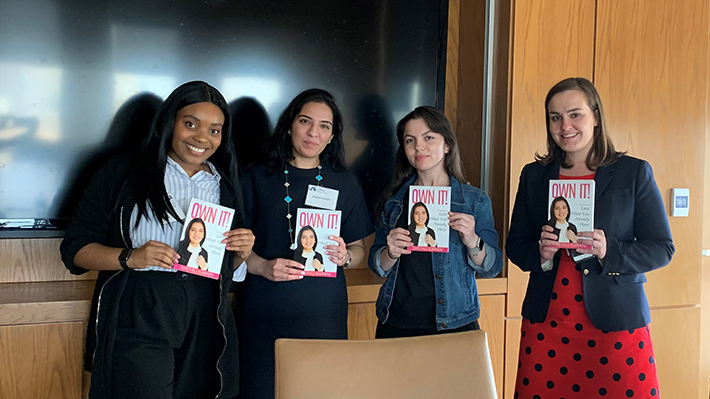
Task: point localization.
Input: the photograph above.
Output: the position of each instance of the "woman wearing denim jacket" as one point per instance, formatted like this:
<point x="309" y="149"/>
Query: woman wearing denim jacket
<point x="435" y="292"/>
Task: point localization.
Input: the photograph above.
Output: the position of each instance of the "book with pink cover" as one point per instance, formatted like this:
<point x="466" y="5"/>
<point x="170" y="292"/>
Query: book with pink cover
<point x="201" y="249"/>
<point x="571" y="211"/>
<point x="428" y="218"/>
<point x="313" y="227"/>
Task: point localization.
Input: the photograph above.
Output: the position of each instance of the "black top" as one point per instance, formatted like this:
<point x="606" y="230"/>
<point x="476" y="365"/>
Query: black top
<point x="414" y="298"/>
<point x="314" y="307"/>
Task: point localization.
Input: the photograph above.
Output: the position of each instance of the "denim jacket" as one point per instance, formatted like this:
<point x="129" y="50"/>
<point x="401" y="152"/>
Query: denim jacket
<point x="454" y="272"/>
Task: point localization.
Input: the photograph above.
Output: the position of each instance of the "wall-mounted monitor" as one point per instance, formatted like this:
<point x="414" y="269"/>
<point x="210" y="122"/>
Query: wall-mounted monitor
<point x="81" y="79"/>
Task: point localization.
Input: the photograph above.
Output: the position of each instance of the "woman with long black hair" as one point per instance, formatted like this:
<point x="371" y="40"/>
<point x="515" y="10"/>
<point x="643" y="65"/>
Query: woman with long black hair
<point x="155" y="332"/>
<point x="278" y="301"/>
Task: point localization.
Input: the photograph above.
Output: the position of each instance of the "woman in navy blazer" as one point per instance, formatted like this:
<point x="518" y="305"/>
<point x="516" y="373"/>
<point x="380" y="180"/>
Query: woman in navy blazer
<point x="593" y="314"/>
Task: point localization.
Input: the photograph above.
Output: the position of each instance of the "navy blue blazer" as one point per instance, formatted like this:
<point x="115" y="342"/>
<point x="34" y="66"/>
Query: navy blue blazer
<point x="629" y="209"/>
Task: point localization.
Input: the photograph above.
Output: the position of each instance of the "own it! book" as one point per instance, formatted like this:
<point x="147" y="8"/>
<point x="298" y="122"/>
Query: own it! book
<point x="571" y="205"/>
<point x="313" y="227"/>
<point x="428" y="218"/>
<point x="201" y="249"/>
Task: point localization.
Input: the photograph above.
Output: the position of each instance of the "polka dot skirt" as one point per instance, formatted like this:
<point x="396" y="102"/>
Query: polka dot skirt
<point x="567" y="357"/>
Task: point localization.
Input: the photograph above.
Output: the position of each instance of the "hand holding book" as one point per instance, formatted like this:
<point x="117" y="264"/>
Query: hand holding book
<point x="598" y="243"/>
<point x="240" y="241"/>
<point x="397" y="242"/>
<point x="337" y="254"/>
<point x="548" y="242"/>
<point x="465" y="224"/>
<point x="153" y="253"/>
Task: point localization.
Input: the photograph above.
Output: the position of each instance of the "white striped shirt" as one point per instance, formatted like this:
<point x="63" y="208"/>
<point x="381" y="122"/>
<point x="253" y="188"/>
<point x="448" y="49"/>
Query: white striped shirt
<point x="181" y="189"/>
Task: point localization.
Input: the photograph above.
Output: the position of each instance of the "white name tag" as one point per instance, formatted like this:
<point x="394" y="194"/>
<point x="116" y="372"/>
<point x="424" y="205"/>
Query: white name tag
<point x="322" y="197"/>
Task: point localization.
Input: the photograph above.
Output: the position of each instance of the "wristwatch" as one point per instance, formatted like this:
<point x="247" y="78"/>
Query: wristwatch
<point x="478" y="248"/>
<point x="347" y="263"/>
<point x="124" y="256"/>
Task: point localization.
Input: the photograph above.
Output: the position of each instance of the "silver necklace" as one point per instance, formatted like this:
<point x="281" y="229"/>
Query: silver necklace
<point x="288" y="200"/>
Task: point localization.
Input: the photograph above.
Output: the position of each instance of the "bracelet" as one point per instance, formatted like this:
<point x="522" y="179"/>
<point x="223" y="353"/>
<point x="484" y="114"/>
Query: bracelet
<point x="389" y="254"/>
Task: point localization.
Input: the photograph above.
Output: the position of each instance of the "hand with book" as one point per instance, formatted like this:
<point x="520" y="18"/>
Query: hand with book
<point x="337" y="254"/>
<point x="153" y="253"/>
<point x="240" y="241"/>
<point x="548" y="241"/>
<point x="465" y="224"/>
<point x="397" y="242"/>
<point x="598" y="242"/>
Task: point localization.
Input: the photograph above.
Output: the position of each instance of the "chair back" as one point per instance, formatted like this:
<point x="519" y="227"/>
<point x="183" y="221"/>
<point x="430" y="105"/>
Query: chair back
<point x="456" y="365"/>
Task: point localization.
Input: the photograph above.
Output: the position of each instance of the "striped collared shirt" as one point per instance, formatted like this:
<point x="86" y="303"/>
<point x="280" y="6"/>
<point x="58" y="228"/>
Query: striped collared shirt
<point x="181" y="189"/>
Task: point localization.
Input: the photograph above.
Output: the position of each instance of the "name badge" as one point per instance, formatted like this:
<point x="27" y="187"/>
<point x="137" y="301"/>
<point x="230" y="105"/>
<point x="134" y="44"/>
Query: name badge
<point x="322" y="197"/>
<point x="177" y="209"/>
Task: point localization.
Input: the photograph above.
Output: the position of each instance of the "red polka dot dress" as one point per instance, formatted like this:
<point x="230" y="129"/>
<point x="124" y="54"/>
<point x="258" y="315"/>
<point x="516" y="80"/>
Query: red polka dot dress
<point x="567" y="357"/>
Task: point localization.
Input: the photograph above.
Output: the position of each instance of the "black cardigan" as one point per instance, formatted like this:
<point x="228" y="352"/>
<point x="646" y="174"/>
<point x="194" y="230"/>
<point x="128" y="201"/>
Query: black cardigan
<point x="99" y="219"/>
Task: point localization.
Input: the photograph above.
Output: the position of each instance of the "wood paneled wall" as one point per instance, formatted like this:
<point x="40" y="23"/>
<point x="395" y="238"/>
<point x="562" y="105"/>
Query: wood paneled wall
<point x="651" y="72"/>
<point x="52" y="365"/>
<point x="32" y="260"/>
<point x="704" y="382"/>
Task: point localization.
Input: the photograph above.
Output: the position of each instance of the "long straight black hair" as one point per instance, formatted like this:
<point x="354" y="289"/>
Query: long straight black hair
<point x="279" y="148"/>
<point x="144" y="180"/>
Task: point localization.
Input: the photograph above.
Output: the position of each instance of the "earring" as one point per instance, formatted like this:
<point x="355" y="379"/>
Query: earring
<point x="289" y="132"/>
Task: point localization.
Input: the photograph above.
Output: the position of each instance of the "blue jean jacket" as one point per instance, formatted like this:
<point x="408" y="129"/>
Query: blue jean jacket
<point x="454" y="272"/>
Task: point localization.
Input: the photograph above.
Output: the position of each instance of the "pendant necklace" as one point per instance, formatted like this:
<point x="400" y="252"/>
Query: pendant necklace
<point x="288" y="200"/>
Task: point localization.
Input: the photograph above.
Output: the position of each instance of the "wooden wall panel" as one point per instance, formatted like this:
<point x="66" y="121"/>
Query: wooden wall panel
<point x="652" y="75"/>
<point x="492" y="321"/>
<point x="552" y="40"/>
<point x="41" y="361"/>
<point x="705" y="290"/>
<point x="452" y="63"/>
<point x="676" y="350"/>
<point x="34" y="259"/>
<point x="362" y="321"/>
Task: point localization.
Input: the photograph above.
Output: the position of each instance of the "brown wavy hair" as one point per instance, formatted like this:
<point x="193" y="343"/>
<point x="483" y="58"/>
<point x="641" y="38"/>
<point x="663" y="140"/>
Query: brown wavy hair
<point x="602" y="152"/>
<point x="437" y="122"/>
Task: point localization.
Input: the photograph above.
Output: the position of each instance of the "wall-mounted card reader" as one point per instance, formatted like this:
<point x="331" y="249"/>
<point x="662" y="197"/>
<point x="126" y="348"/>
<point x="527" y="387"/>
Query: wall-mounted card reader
<point x="680" y="202"/>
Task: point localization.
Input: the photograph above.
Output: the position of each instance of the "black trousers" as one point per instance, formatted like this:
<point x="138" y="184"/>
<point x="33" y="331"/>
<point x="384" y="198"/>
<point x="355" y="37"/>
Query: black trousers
<point x="168" y="339"/>
<point x="389" y="331"/>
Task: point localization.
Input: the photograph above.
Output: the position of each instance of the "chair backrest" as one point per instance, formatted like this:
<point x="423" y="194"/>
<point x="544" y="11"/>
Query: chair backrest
<point x="456" y="365"/>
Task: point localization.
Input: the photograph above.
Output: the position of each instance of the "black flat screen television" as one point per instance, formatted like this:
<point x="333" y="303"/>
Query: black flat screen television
<point x="81" y="79"/>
